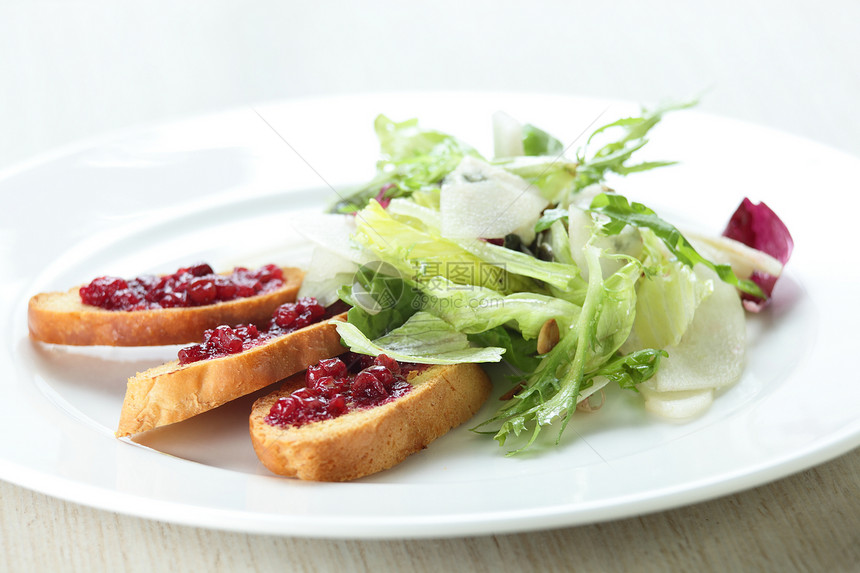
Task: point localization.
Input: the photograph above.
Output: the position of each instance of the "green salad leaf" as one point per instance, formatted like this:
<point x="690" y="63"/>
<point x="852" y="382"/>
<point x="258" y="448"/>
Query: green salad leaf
<point x="538" y="142"/>
<point x="613" y="156"/>
<point x="632" y="369"/>
<point x="668" y="296"/>
<point x="476" y="309"/>
<point x="413" y="159"/>
<point x="424" y="339"/>
<point x="423" y="255"/>
<point x="554" y="176"/>
<point x="559" y="275"/>
<point x="552" y="391"/>
<point x="380" y="302"/>
<point x="621" y="212"/>
<point x="519" y="352"/>
<point x="550" y="216"/>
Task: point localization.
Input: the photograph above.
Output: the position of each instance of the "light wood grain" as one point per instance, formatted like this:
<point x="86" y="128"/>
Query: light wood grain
<point x="806" y="522"/>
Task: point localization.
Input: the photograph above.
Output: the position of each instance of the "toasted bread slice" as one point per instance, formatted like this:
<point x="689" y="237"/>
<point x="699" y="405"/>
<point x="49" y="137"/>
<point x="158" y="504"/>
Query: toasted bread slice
<point x="171" y="392"/>
<point x="61" y="318"/>
<point x="367" y="441"/>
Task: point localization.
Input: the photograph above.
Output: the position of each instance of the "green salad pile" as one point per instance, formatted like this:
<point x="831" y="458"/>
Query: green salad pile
<point x="455" y="257"/>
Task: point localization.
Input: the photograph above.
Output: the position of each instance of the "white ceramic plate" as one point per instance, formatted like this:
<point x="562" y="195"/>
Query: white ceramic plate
<point x="225" y="189"/>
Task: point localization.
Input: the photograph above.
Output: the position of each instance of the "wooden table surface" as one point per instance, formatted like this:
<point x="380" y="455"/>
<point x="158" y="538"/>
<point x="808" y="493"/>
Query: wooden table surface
<point x="77" y="69"/>
<point x="806" y="522"/>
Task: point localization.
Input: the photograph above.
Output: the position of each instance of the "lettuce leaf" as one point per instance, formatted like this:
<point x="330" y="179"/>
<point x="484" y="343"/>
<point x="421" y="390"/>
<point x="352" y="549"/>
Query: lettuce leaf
<point x="550" y="216"/>
<point x="554" y="176"/>
<point x="538" y="142"/>
<point x="667" y="297"/>
<point x="519" y="352"/>
<point x="559" y="275"/>
<point x="475" y="309"/>
<point x="423" y="339"/>
<point x="559" y="242"/>
<point x="380" y="302"/>
<point x="422" y="255"/>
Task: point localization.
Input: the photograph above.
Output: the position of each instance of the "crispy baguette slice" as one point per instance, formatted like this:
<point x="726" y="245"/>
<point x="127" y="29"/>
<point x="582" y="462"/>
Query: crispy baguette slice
<point x="363" y="442"/>
<point x="61" y="318"/>
<point x="171" y="393"/>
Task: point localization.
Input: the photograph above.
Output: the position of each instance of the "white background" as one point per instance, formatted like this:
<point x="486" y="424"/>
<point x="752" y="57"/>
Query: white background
<point x="69" y="70"/>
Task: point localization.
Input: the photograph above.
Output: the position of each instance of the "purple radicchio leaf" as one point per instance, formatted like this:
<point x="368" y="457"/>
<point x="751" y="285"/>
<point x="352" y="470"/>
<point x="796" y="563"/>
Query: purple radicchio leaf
<point x="758" y="227"/>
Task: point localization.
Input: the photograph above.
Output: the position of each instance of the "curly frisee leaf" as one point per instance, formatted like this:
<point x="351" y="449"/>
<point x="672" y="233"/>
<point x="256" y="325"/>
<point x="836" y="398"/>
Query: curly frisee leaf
<point x="621" y="212"/>
<point x="584" y="352"/>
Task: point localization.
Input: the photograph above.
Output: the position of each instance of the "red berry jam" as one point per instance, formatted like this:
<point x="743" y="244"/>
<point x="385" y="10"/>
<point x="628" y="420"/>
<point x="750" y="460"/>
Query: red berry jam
<point x="333" y="389"/>
<point x="225" y="340"/>
<point x="295" y="315"/>
<point x="197" y="285"/>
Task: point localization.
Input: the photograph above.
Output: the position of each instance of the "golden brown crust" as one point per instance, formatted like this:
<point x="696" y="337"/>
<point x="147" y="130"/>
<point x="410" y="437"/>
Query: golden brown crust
<point x="368" y="441"/>
<point x="61" y="318"/>
<point x="170" y="393"/>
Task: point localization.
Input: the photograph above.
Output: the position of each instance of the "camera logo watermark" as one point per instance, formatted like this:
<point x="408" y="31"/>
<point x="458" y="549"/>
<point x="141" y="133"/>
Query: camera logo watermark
<point x="377" y="286"/>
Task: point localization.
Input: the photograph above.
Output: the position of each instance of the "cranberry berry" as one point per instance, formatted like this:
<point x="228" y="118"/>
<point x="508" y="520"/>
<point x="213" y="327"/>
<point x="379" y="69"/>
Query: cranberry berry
<point x="225" y="340"/>
<point x="333" y="391"/>
<point x="292" y="316"/>
<point x="197" y="285"/>
<point x="222" y="341"/>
